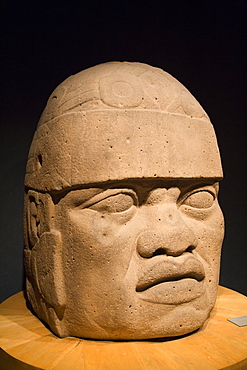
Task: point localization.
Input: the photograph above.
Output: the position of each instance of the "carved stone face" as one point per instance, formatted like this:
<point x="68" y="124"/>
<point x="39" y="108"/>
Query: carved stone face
<point x="123" y="228"/>
<point x="141" y="257"/>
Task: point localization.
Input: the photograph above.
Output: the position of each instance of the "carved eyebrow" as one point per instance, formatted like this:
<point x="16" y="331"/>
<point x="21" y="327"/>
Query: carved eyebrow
<point x="106" y="194"/>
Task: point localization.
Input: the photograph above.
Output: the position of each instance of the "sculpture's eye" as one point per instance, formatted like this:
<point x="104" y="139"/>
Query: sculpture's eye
<point x="113" y="201"/>
<point x="200" y="199"/>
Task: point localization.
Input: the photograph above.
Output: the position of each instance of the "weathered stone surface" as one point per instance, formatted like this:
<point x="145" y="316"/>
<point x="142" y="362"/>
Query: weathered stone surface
<point x="122" y="226"/>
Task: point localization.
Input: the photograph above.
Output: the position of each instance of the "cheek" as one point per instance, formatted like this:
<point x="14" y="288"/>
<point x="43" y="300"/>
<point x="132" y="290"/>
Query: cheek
<point x="210" y="234"/>
<point x="96" y="242"/>
<point x="98" y="255"/>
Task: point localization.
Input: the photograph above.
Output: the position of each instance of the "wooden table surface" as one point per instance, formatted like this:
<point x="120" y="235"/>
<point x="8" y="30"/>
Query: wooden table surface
<point x="27" y="344"/>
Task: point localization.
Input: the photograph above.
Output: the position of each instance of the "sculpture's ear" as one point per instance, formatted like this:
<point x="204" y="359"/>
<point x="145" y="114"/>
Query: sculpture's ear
<point x="47" y="268"/>
<point x="43" y="258"/>
<point x="32" y="226"/>
<point x="39" y="213"/>
<point x="33" y="217"/>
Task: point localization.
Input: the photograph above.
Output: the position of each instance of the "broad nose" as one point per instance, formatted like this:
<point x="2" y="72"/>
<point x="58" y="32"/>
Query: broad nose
<point x="170" y="236"/>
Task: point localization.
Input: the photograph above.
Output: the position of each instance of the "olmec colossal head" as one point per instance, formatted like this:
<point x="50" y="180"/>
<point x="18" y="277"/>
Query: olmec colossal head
<point x="123" y="229"/>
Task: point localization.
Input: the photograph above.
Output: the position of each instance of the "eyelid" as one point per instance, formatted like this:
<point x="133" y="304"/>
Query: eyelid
<point x="106" y="194"/>
<point x="210" y="189"/>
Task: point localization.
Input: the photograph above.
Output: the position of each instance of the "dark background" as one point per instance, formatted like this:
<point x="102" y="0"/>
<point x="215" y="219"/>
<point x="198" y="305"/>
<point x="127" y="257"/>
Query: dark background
<point x="201" y="43"/>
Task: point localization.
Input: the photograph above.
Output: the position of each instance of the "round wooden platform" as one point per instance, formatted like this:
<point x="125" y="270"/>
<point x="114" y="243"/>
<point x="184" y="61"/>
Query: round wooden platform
<point x="27" y="344"/>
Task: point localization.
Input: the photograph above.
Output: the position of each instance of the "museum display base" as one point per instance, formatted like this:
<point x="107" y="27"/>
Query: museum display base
<point x="27" y="344"/>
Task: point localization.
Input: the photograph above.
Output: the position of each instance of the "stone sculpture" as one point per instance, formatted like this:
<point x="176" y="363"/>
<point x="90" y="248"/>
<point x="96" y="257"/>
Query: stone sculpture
<point x="123" y="229"/>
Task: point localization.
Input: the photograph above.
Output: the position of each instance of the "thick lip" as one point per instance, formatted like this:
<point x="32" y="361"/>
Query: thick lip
<point x="171" y="269"/>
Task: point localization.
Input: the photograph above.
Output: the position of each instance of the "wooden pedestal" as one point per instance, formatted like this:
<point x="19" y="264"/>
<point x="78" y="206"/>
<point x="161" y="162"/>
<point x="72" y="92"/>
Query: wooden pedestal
<point x="27" y="344"/>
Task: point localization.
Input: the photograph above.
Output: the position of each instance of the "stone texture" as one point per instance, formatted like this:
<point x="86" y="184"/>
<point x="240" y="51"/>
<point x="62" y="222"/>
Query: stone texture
<point x="122" y="226"/>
